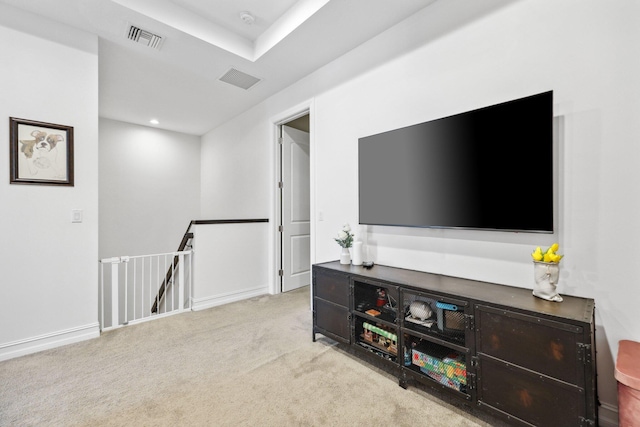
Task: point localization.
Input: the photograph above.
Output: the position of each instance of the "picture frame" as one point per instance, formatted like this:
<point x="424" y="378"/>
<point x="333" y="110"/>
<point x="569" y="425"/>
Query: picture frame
<point x="40" y="153"/>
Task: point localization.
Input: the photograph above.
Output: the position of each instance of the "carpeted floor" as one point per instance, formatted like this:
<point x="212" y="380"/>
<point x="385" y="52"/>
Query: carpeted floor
<point x="250" y="363"/>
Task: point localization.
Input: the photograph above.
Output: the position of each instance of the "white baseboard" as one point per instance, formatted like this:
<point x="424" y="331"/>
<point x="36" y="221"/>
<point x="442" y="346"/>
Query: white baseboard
<point x="607" y="415"/>
<point x="216" y="300"/>
<point x="48" y="341"/>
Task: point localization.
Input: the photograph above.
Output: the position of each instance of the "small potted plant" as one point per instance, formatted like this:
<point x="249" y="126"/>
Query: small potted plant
<point x="345" y="240"/>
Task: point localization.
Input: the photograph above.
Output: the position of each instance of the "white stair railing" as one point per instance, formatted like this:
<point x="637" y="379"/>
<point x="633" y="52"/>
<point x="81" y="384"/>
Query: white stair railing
<point x="130" y="287"/>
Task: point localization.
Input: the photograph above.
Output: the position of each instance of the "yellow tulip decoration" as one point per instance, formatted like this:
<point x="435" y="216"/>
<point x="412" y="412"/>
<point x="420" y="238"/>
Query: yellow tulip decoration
<point x="549" y="255"/>
<point x="546" y="272"/>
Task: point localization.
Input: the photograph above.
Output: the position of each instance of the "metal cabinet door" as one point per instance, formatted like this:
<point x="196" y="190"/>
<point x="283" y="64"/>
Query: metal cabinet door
<point x="331" y="301"/>
<point x="531" y="368"/>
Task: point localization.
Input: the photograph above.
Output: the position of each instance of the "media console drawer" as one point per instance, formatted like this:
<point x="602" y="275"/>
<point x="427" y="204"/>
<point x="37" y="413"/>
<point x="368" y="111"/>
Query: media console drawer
<point x="550" y="347"/>
<point x="332" y="287"/>
<point x="533" y="398"/>
<point x="333" y="319"/>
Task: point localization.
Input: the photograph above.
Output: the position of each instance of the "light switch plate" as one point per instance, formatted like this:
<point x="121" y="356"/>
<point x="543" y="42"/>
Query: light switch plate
<point x="76" y="215"/>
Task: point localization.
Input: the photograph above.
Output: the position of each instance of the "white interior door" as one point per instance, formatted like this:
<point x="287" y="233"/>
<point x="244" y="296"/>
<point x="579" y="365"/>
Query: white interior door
<point x="296" y="215"/>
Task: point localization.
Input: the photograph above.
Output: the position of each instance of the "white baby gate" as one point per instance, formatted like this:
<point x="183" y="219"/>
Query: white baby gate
<point x="139" y="288"/>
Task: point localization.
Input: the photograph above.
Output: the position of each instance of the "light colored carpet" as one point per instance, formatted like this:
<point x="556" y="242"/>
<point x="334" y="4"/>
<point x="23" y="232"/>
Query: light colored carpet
<point x="250" y="363"/>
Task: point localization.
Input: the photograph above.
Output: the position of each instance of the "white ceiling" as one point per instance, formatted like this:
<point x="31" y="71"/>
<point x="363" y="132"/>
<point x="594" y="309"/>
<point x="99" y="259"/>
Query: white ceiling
<point x="202" y="39"/>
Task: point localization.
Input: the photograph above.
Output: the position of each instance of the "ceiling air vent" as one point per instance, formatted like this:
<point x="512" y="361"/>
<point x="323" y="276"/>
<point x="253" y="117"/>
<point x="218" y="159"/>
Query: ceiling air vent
<point x="144" y="37"/>
<point x="239" y="79"/>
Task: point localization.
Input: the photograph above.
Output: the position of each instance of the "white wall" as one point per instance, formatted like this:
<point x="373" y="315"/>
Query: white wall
<point x="49" y="265"/>
<point x="229" y="263"/>
<point x="582" y="50"/>
<point x="236" y="170"/>
<point x="149" y="188"/>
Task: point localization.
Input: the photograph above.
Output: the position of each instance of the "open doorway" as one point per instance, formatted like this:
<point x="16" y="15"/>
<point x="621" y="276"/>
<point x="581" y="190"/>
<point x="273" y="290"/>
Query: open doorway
<point x="294" y="228"/>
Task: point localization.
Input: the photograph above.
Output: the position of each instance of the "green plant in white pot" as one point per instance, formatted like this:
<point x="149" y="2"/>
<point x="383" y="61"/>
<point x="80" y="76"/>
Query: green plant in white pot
<point x="345" y="240"/>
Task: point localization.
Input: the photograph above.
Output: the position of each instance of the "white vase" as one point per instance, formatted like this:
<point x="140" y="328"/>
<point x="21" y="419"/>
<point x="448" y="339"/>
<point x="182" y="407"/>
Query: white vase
<point x="357" y="253"/>
<point x="345" y="256"/>
<point x="546" y="275"/>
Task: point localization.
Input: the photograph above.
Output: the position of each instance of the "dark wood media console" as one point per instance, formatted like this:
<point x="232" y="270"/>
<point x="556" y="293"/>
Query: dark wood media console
<point x="497" y="349"/>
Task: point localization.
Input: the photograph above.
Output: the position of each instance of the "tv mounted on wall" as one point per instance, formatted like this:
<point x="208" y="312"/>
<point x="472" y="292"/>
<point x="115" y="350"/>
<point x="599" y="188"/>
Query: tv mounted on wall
<point x="487" y="169"/>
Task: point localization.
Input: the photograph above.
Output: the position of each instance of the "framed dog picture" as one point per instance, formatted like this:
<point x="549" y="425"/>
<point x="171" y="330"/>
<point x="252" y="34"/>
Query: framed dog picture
<point x="41" y="153"/>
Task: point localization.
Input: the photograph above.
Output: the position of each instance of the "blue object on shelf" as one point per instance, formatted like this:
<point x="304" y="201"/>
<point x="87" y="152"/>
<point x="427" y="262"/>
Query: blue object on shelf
<point x="450" y="318"/>
<point x="445" y="306"/>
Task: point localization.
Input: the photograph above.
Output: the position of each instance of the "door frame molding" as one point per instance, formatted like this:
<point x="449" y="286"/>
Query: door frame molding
<point x="277" y="121"/>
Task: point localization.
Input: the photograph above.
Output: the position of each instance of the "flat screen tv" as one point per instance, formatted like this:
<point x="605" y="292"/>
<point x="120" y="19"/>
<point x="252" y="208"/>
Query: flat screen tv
<point x="486" y="169"/>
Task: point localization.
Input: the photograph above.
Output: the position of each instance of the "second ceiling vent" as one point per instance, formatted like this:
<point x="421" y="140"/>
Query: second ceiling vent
<point x="238" y="78"/>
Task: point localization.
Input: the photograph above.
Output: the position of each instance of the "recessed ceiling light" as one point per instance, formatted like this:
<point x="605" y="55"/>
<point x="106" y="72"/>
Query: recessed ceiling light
<point x="154" y="121"/>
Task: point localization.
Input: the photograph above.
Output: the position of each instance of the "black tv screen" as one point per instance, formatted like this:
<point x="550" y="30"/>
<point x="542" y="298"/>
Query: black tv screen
<point x="489" y="169"/>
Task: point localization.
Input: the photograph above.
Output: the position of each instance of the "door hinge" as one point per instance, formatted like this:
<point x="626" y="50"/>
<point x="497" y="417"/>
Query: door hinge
<point x="280" y="140"/>
<point x="281" y="273"/>
<point x="280" y="228"/>
<point x="280" y="184"/>
<point x="469" y="321"/>
<point x="474" y="361"/>
<point x="584" y="353"/>
<point x="471" y="381"/>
